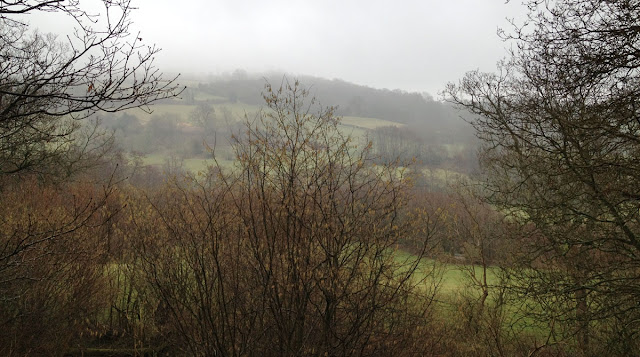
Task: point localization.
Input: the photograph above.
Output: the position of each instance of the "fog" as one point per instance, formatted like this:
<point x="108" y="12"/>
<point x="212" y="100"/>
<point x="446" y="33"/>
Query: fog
<point x="410" y="45"/>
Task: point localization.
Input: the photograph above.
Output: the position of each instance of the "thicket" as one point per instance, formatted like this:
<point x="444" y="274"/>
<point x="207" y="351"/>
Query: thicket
<point x="300" y="249"/>
<point x="305" y="247"/>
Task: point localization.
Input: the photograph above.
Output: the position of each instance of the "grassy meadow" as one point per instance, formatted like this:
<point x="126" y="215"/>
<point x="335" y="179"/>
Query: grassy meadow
<point x="227" y="113"/>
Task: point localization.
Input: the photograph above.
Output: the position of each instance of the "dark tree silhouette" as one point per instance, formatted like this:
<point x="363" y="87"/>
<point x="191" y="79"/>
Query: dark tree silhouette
<point x="562" y="140"/>
<point x="48" y="82"/>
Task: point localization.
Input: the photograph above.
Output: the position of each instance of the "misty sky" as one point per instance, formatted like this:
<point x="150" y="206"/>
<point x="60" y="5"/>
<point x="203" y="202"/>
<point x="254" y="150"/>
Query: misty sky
<point x="416" y="45"/>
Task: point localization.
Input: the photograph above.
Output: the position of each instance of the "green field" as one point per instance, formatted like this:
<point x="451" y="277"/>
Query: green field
<point x="443" y="177"/>
<point x="227" y="112"/>
<point x="189" y="164"/>
<point x="239" y="110"/>
<point x="355" y="126"/>
<point x="368" y="123"/>
<point x="451" y="278"/>
<point x="182" y="111"/>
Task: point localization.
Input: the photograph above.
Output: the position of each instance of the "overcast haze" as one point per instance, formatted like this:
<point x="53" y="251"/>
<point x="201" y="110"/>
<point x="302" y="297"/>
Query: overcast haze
<point x="412" y="45"/>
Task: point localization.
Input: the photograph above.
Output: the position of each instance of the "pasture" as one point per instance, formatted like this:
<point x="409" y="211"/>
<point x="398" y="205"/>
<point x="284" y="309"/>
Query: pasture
<point x="228" y="113"/>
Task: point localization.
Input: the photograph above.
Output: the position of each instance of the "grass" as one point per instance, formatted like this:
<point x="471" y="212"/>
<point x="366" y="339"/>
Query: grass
<point x="358" y="127"/>
<point x="456" y="286"/>
<point x="179" y="110"/>
<point x="454" y="278"/>
<point x="355" y="126"/>
<point x="442" y="177"/>
<point x="190" y="164"/>
<point x="368" y="123"/>
<point x="182" y="111"/>
<point x="238" y="111"/>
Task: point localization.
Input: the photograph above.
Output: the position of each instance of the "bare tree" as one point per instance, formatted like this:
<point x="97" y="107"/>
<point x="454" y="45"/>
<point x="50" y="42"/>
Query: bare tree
<point x="51" y="252"/>
<point x="561" y="131"/>
<point x="322" y="226"/>
<point x="294" y="252"/>
<point x="51" y="278"/>
<point x="487" y="315"/>
<point x="48" y="82"/>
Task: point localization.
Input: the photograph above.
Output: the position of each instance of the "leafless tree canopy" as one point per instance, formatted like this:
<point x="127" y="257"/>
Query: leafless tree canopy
<point x="560" y="122"/>
<point x="292" y="254"/>
<point x="49" y="81"/>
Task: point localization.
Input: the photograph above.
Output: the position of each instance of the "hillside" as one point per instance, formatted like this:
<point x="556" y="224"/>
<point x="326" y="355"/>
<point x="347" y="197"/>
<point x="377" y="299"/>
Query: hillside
<point x="400" y="124"/>
<point x="350" y="99"/>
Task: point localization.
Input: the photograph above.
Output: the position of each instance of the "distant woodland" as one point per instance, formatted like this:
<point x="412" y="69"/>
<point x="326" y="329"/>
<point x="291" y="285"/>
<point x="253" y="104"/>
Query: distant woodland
<point x="401" y="125"/>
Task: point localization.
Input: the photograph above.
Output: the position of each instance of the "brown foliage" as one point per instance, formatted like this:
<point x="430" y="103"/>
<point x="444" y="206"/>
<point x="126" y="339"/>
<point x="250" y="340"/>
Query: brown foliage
<point x="51" y="279"/>
<point x="291" y="254"/>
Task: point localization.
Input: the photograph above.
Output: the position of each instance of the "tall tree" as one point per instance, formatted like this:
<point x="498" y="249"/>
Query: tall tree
<point x="294" y="252"/>
<point x="561" y="130"/>
<point x="51" y="247"/>
<point x="48" y="82"/>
